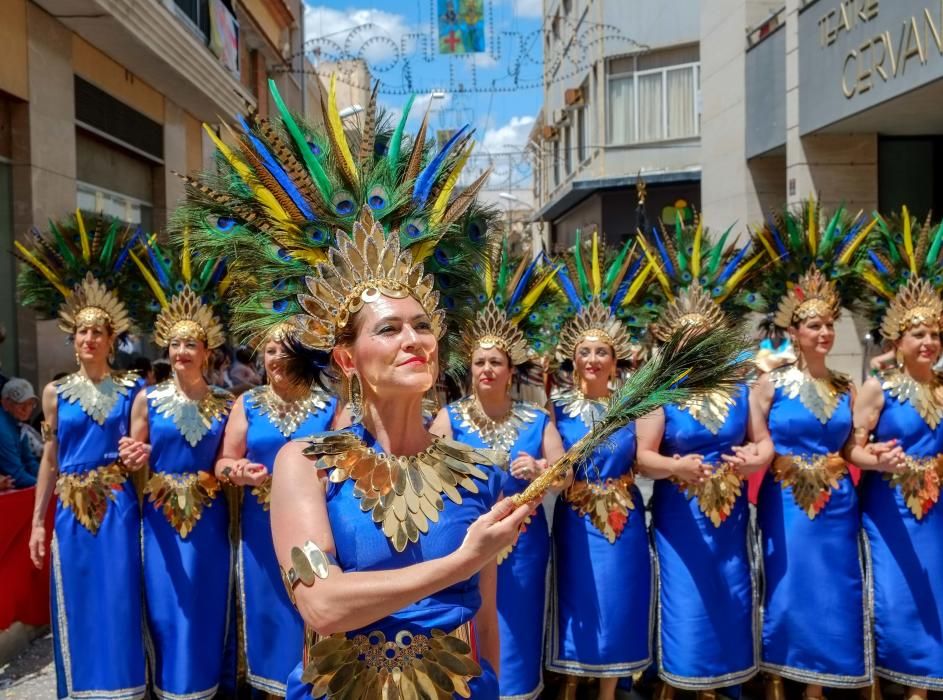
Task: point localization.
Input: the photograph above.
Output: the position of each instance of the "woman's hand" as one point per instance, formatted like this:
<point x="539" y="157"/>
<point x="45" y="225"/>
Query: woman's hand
<point x="37" y="544"/>
<point x="890" y="457"/>
<point x="495" y="530"/>
<point x="745" y="459"/>
<point x="690" y="469"/>
<point x="134" y="454"/>
<point x="242" y="472"/>
<point x="526" y="467"/>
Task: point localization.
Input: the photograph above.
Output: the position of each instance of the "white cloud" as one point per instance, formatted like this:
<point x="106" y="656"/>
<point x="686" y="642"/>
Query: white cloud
<point x="527" y="8"/>
<point x="382" y="40"/>
<point x="508" y="137"/>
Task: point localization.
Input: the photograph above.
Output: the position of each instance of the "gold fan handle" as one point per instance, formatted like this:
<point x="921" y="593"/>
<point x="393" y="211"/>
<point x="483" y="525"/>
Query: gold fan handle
<point x="539" y="486"/>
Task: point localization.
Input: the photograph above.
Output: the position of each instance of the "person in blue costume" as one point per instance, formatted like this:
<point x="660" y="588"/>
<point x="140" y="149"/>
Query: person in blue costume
<point x="899" y="443"/>
<point x="98" y="639"/>
<point x="176" y="428"/>
<point x="504" y="335"/>
<point x="699" y="453"/>
<point x="807" y="511"/>
<point x="290" y="405"/>
<point x="601" y="605"/>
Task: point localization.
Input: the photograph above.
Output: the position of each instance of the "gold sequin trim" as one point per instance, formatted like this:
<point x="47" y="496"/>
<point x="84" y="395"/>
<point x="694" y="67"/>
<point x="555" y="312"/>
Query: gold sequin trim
<point x="96" y="399"/>
<point x="919" y="483"/>
<point x="192" y="418"/>
<point x="263" y="493"/>
<point x="87" y="494"/>
<point x="820" y="396"/>
<point x="710" y="411"/>
<point x="575" y="404"/>
<point x="927" y="399"/>
<point x="432" y="666"/>
<point x="606" y="503"/>
<point x="287" y="416"/>
<point x="717" y="495"/>
<point x="498" y="434"/>
<point x="182" y="497"/>
<point x="811" y="479"/>
<point x="403" y="493"/>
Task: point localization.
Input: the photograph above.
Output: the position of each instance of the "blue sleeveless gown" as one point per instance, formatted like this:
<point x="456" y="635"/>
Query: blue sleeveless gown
<point x="816" y="627"/>
<point x="96" y="579"/>
<point x="522" y="577"/>
<point x="601" y="602"/>
<point x="706" y="603"/>
<point x="906" y="559"/>
<point x="274" y="632"/>
<point x="362" y="546"/>
<point x="187" y="580"/>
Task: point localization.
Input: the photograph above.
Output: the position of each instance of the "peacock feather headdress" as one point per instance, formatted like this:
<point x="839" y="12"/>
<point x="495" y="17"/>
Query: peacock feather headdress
<point x="902" y="265"/>
<point x="317" y="222"/>
<point x="605" y="292"/>
<point x="812" y="259"/>
<point x="512" y="305"/>
<point x="186" y="295"/>
<point x="76" y="272"/>
<point x="706" y="282"/>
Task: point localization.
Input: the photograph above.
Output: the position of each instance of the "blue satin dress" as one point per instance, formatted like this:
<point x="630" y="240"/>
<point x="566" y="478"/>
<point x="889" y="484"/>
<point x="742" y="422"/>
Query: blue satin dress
<point x="816" y="627"/>
<point x="96" y="578"/>
<point x="187" y="580"/>
<point x="274" y="632"/>
<point x="362" y="546"/>
<point x="906" y="558"/>
<point x="602" y="609"/>
<point x="522" y="575"/>
<point x="706" y="601"/>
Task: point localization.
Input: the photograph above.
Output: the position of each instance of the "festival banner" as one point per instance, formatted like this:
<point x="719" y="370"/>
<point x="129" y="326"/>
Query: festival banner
<point x="461" y="26"/>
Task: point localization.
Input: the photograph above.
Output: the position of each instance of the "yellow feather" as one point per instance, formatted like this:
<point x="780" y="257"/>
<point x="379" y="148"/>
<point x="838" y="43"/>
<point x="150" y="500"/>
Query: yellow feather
<point x="876" y="282"/>
<point x="597" y="275"/>
<point x="909" y="242"/>
<point x="83" y="235"/>
<point x="151" y="281"/>
<point x="656" y="269"/>
<point x="423" y="250"/>
<point x="261" y="193"/>
<point x="696" y="252"/>
<point x="333" y="122"/>
<point x="853" y="246"/>
<point x="773" y="255"/>
<point x="639" y="282"/>
<point x="534" y="293"/>
<point x="46" y="272"/>
<point x="813" y="226"/>
<point x="438" y="209"/>
<point x="224" y="284"/>
<point x="489" y="278"/>
<point x="735" y="278"/>
<point x="185" y="255"/>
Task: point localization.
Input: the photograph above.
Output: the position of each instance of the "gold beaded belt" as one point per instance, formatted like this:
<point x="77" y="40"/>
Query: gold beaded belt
<point x="919" y="483"/>
<point x="717" y="495"/>
<point x="408" y="666"/>
<point x="606" y="503"/>
<point x="182" y="497"/>
<point x="811" y="479"/>
<point x="263" y="493"/>
<point x="87" y="494"/>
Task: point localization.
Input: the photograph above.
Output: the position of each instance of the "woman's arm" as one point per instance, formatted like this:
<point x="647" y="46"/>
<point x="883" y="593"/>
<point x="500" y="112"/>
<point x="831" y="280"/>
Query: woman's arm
<point x="879" y="456"/>
<point x="649" y="432"/>
<point x="489" y="641"/>
<point x="442" y="426"/>
<point x="46" y="479"/>
<point x="346" y="601"/>
<point x="231" y="462"/>
<point x="759" y="451"/>
<point x="134" y="449"/>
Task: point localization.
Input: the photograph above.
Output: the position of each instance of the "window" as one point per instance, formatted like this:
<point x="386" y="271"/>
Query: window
<point x="653" y="105"/>
<point x="568" y="149"/>
<point x="92" y="198"/>
<point x="582" y="126"/>
<point x="556" y="162"/>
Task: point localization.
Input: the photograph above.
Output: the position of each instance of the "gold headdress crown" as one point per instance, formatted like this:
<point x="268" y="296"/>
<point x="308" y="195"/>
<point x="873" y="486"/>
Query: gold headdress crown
<point x="594" y="322"/>
<point x="493" y="329"/>
<point x="691" y="308"/>
<point x="914" y="304"/>
<point x="359" y="269"/>
<point x="92" y="303"/>
<point x="186" y="317"/>
<point x="811" y="296"/>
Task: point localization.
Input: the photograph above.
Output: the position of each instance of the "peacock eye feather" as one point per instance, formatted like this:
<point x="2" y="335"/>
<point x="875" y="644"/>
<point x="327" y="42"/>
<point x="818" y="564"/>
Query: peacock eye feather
<point x="225" y="224"/>
<point x="414" y="228"/>
<point x="343" y="202"/>
<point x="315" y="148"/>
<point x="378" y="198"/>
<point x="280" y="305"/>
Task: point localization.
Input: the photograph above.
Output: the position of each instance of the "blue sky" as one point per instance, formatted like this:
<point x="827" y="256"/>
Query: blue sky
<point x="399" y="41"/>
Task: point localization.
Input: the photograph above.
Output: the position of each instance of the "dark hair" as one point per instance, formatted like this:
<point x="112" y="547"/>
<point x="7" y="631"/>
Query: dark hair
<point x="161" y="370"/>
<point x="141" y="365"/>
<point x="305" y="365"/>
<point x="244" y="354"/>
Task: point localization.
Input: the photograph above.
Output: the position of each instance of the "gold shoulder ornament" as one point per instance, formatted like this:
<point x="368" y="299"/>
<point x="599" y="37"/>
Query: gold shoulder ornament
<point x="927" y="399"/>
<point x="501" y="433"/>
<point x="710" y="410"/>
<point x="820" y="396"/>
<point x="403" y="493"/>
<point x="575" y="404"/>
<point x="192" y="418"/>
<point x="288" y="416"/>
<point x="96" y="399"/>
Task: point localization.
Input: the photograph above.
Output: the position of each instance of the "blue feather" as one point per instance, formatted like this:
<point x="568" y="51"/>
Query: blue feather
<point x="626" y="283"/>
<point x="426" y="177"/>
<point x="732" y="265"/>
<point x="876" y="261"/>
<point x="777" y="239"/>
<point x="518" y="291"/>
<point x="125" y="252"/>
<point x="852" y="232"/>
<point x="666" y="259"/>
<point x="276" y="171"/>
<point x="158" y="266"/>
<point x="563" y="277"/>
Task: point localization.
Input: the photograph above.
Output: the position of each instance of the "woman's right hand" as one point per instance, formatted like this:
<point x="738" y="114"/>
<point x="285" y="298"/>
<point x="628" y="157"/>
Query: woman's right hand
<point x="494" y="531"/>
<point x="37" y="545"/>
<point x="888" y="455"/>
<point x="691" y="469"/>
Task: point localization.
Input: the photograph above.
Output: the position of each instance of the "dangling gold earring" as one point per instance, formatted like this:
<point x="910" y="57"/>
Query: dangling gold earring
<point x="899" y="359"/>
<point x="355" y="395"/>
<point x="78" y="361"/>
<point x="111" y="355"/>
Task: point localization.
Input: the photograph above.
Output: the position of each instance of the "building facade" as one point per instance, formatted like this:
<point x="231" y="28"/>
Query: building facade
<point x="101" y="104"/>
<point x="621" y="86"/>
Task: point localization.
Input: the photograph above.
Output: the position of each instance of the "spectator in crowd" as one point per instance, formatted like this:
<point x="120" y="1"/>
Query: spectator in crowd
<point x="218" y="371"/>
<point x="243" y="370"/>
<point x="144" y="368"/>
<point x="16" y="458"/>
<point x="3" y="377"/>
<point x="161" y="371"/>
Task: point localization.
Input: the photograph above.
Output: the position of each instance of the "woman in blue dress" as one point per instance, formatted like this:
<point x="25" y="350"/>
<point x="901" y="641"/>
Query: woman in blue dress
<point x="291" y="404"/>
<point x="96" y="556"/>
<point x="807" y="509"/>
<point x="698" y="454"/>
<point x="601" y="605"/>
<point x="176" y="429"/>
<point x="494" y="344"/>
<point x="900" y="412"/>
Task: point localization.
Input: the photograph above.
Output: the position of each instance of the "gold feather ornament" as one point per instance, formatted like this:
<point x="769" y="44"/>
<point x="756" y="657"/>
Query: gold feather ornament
<point x="91" y="303"/>
<point x="186" y="317"/>
<point x="813" y="295"/>
<point x="595" y="322"/>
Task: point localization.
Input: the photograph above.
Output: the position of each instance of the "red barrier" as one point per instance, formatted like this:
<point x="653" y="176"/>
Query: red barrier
<point x="25" y="588"/>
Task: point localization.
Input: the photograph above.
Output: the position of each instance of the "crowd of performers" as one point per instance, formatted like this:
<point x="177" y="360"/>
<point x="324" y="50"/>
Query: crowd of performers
<point x="334" y="533"/>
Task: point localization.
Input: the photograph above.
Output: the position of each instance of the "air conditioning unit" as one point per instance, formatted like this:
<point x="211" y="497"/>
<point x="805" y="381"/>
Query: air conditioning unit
<point x="573" y="97"/>
<point x="550" y="133"/>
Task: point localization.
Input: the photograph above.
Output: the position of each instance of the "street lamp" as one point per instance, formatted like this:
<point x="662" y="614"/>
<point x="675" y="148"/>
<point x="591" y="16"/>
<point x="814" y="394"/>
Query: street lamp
<point x="348" y="112"/>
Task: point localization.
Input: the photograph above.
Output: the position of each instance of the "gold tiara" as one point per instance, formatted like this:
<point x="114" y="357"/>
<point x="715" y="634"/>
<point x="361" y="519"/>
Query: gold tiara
<point x="813" y="295"/>
<point x="914" y="304"/>
<point x="92" y="303"/>
<point x="691" y="308"/>
<point x="493" y="329"/>
<point x="186" y="317"/>
<point x="594" y="322"/>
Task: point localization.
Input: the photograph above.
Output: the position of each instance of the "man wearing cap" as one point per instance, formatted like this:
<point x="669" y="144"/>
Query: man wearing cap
<point x="17" y="461"/>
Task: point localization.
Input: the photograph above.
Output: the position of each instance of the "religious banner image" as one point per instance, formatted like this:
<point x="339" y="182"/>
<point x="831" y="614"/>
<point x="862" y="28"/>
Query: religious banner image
<point x="461" y="26"/>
